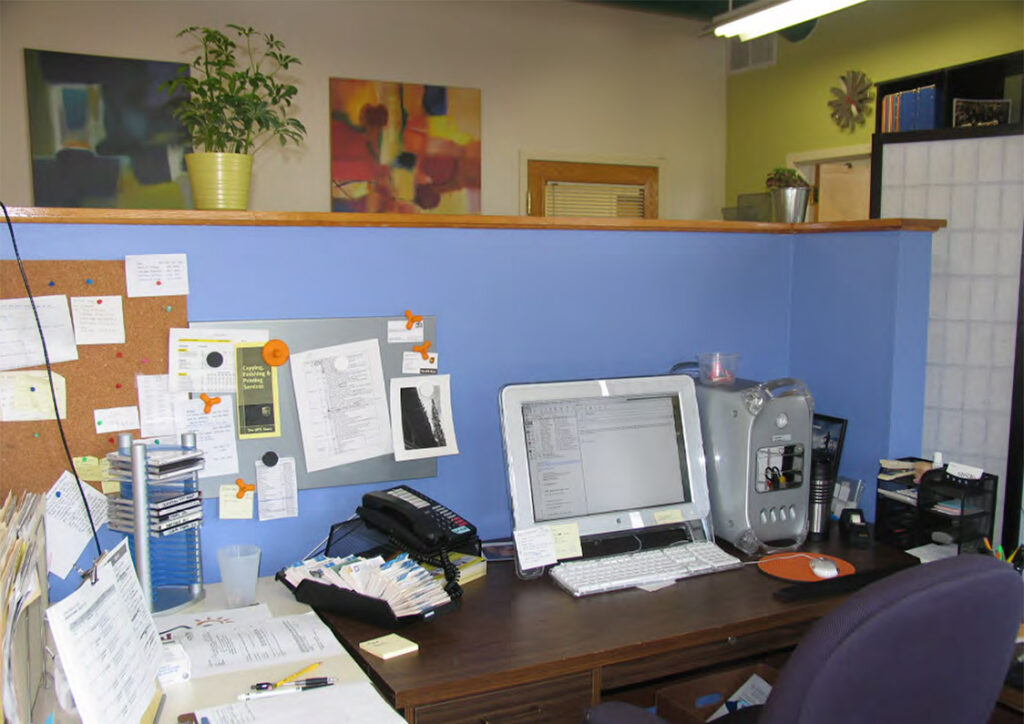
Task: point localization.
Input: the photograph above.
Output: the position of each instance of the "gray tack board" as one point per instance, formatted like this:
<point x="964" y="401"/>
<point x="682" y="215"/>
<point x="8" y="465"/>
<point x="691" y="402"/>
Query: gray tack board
<point x="302" y="335"/>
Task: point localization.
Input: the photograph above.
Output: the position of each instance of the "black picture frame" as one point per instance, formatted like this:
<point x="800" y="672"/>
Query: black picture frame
<point x="827" y="436"/>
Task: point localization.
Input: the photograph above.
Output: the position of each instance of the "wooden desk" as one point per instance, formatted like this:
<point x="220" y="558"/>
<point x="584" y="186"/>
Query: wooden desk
<point x="528" y="650"/>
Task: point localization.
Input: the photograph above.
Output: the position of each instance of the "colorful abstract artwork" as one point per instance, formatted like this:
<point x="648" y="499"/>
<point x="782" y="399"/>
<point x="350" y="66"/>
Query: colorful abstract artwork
<point x="102" y="133"/>
<point x="404" y="147"/>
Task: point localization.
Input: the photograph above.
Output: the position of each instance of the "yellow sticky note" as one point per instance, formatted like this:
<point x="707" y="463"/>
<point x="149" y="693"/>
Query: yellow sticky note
<point x="231" y="506"/>
<point x="390" y="646"/>
<point x="88" y="468"/>
<point x="26" y="396"/>
<point x="567" y="540"/>
<point x="664" y="517"/>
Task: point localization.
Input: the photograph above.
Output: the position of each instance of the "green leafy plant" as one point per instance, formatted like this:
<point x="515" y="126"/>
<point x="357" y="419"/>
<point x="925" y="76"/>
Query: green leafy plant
<point x="785" y="178"/>
<point x="235" y="101"/>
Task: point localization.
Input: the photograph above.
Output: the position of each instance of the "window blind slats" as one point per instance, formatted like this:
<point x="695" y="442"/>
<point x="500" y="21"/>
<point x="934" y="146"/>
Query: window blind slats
<point x="564" y="198"/>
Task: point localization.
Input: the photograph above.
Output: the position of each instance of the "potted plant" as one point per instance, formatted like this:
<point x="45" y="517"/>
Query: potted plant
<point x="790" y="192"/>
<point x="232" y="102"/>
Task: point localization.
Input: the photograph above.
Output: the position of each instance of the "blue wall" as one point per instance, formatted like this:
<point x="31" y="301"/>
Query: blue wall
<point x="520" y="305"/>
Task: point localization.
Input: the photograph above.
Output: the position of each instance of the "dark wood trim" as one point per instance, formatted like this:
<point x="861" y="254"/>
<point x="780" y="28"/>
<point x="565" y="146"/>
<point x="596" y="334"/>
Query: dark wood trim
<point x="40" y="215"/>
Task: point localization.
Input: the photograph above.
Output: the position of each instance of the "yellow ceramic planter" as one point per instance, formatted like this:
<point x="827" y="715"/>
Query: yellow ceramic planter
<point x="219" y="180"/>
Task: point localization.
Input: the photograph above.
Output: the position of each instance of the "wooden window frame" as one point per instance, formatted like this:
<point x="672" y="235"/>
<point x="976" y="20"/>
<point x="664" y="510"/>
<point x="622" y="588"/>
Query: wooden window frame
<point x="538" y="173"/>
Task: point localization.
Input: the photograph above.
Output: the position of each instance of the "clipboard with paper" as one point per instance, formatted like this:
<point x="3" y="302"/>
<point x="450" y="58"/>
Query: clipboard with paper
<point x="108" y="644"/>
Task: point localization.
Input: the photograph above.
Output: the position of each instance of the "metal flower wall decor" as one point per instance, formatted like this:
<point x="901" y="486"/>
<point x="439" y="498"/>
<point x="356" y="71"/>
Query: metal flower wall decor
<point x="851" y="102"/>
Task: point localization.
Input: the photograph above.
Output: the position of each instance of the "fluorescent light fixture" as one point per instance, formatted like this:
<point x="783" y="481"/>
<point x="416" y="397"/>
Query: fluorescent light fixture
<point x="766" y="16"/>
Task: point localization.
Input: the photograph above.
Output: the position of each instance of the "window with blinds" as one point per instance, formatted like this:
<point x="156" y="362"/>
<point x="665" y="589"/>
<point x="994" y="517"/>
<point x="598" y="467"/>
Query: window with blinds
<point x="562" y="188"/>
<point x="567" y="198"/>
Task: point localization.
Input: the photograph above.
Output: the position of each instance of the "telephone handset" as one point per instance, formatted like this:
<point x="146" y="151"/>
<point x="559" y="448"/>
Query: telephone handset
<point x="416" y="521"/>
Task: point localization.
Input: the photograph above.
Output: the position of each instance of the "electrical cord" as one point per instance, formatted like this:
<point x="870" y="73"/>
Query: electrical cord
<point x="49" y="375"/>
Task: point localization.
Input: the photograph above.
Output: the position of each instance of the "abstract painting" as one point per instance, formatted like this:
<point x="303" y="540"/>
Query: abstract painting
<point x="404" y="147"/>
<point x="102" y="133"/>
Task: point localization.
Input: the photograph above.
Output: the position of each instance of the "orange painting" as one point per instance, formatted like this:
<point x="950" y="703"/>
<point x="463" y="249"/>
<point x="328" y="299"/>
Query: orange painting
<point x="404" y="147"/>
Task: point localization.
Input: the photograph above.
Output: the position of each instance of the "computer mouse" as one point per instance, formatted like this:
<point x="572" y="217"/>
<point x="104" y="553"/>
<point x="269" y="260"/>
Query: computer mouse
<point x="824" y="568"/>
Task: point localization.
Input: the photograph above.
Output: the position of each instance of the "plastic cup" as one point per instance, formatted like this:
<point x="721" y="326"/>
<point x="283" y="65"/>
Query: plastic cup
<point x="718" y="368"/>
<point x="239" y="569"/>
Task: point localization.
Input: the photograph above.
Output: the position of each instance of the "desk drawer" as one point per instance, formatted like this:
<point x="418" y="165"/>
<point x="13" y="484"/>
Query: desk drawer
<point x="555" y="700"/>
<point x="638" y="671"/>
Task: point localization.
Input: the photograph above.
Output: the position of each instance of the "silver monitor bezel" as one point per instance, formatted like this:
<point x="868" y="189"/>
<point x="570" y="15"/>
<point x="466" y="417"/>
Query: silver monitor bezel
<point x="514" y="396"/>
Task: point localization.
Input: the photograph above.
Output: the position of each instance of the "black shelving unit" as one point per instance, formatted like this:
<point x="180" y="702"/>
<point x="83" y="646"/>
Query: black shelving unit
<point x="998" y="77"/>
<point x="959" y="508"/>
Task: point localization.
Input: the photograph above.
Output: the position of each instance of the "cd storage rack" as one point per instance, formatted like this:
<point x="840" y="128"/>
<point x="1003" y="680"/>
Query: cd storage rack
<point x="161" y="509"/>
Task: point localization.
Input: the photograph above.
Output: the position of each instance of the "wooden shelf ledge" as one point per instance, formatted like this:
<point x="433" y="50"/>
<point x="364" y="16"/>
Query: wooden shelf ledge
<point x="35" y="214"/>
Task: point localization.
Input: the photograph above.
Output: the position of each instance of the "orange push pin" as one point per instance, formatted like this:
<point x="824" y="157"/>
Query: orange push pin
<point x="413" y="318"/>
<point x="243" y="488"/>
<point x="275" y="353"/>
<point x="208" y="402"/>
<point x="422" y="349"/>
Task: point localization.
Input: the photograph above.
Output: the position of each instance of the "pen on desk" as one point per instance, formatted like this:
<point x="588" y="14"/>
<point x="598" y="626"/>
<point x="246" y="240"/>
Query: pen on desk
<point x="1013" y="555"/>
<point x="297" y="674"/>
<point x="988" y="545"/>
<point x="281" y="691"/>
<point x="315" y="681"/>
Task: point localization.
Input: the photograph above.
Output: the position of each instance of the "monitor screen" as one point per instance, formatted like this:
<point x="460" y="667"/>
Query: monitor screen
<point x="611" y="455"/>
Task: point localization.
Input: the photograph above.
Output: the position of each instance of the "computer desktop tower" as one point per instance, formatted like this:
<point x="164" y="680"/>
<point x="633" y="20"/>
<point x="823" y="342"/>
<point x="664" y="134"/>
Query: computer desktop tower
<point x="757" y="445"/>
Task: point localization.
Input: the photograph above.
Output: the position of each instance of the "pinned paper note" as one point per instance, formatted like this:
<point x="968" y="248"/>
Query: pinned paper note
<point x="116" y="419"/>
<point x="202" y="359"/>
<point x="25" y="396"/>
<point x="215" y="429"/>
<point x="231" y="506"/>
<point x="567" y="540"/>
<point x="156" y="405"/>
<point x="91" y="469"/>
<point x="19" y="333"/>
<point x="98" y="320"/>
<point x="535" y="547"/>
<point x="399" y="331"/>
<point x="279" y="497"/>
<point x="414" y="364"/>
<point x="67" y="525"/>
<point x="156" y="275"/>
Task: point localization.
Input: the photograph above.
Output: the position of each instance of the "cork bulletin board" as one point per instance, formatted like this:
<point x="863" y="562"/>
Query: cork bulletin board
<point x="31" y="453"/>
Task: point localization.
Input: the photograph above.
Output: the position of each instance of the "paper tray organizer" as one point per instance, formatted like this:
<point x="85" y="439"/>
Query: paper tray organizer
<point x="324" y="597"/>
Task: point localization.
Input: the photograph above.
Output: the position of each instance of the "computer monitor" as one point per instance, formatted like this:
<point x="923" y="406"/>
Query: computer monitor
<point x="613" y="456"/>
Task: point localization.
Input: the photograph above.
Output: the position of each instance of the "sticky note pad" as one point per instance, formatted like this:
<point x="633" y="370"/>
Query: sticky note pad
<point x="390" y="646"/>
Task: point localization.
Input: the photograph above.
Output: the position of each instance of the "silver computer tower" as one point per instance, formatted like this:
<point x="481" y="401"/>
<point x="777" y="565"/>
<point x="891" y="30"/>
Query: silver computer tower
<point x="757" y="442"/>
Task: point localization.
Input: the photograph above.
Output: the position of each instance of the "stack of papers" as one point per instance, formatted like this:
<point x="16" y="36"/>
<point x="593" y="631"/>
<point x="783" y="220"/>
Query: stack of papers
<point x="404" y="584"/>
<point x="22" y="598"/>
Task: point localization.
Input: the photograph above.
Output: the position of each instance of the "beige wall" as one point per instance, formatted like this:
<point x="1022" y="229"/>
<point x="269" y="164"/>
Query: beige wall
<point x="559" y="78"/>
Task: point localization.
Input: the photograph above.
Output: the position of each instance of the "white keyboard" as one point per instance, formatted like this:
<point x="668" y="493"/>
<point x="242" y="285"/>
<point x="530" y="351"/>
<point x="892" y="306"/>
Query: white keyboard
<point x="610" y="573"/>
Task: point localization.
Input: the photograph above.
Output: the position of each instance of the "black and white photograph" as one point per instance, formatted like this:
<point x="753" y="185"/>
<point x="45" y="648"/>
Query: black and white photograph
<point x="971" y="112"/>
<point x="421" y="417"/>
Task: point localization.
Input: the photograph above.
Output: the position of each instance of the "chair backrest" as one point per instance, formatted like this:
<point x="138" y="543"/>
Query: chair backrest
<point x="930" y="644"/>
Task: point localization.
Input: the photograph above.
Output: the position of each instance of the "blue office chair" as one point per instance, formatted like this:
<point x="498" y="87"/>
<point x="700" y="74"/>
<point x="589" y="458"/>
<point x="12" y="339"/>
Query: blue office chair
<point x="930" y="644"/>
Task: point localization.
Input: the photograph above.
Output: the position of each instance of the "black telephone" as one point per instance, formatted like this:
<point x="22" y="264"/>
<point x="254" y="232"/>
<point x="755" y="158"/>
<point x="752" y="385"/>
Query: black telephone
<point x="420" y="524"/>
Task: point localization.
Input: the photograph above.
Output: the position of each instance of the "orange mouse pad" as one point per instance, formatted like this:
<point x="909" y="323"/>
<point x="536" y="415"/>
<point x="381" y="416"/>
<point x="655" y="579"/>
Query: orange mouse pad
<point x="796" y="565"/>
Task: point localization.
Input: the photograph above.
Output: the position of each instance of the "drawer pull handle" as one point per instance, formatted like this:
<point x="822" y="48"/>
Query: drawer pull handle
<point x="732" y="640"/>
<point x="531" y="712"/>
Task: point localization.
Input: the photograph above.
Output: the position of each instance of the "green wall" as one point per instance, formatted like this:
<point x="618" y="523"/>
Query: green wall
<point x="783" y="109"/>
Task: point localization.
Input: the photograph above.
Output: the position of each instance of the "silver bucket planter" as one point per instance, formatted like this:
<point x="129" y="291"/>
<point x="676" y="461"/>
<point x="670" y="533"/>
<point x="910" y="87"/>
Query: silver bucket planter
<point x="789" y="204"/>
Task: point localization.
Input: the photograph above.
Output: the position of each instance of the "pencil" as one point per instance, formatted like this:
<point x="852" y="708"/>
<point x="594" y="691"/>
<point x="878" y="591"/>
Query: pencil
<point x="297" y="674"/>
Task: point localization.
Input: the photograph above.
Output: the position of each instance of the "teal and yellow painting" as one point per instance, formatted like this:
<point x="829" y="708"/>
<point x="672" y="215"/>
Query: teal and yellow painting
<point x="404" y="147"/>
<point x="102" y="134"/>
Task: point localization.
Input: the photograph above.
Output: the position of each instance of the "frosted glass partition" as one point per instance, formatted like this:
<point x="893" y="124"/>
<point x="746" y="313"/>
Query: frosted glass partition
<point x="977" y="185"/>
